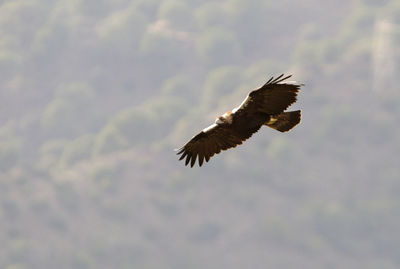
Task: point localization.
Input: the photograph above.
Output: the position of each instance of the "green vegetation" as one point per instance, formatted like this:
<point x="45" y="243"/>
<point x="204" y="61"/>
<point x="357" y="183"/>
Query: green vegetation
<point x="95" y="95"/>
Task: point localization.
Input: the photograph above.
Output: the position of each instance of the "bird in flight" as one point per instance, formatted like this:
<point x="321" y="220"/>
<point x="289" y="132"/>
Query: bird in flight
<point x="263" y="106"/>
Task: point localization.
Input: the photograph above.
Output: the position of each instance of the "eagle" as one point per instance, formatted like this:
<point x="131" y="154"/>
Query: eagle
<point x="263" y="106"/>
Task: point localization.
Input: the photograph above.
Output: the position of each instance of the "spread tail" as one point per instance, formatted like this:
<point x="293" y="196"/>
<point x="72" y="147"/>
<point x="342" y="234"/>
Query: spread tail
<point x="284" y="121"/>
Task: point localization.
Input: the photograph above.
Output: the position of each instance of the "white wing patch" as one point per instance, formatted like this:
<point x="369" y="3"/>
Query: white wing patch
<point x="237" y="108"/>
<point x="205" y="130"/>
<point x="291" y="82"/>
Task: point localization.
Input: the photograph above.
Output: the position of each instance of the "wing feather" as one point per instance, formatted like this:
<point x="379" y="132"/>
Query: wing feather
<point x="188" y="159"/>
<point x="201" y="153"/>
<point x="183" y="155"/>
<point x="272" y="98"/>
<point x="194" y="156"/>
<point x="209" y="142"/>
<point x="201" y="159"/>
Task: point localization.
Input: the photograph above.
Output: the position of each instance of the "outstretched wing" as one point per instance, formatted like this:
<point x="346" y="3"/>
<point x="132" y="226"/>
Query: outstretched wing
<point x="212" y="140"/>
<point x="273" y="97"/>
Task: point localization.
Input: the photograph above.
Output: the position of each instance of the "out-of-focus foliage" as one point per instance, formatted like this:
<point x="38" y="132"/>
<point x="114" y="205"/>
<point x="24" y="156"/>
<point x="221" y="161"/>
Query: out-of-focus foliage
<point x="70" y="112"/>
<point x="95" y="95"/>
<point x="218" y="46"/>
<point x="10" y="147"/>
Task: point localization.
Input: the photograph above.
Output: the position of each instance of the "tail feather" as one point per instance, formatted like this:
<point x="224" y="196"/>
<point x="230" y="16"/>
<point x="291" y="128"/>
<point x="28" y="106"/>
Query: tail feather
<point x="285" y="121"/>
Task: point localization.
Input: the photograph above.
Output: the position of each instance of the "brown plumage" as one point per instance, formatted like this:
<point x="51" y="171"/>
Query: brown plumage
<point x="263" y="106"/>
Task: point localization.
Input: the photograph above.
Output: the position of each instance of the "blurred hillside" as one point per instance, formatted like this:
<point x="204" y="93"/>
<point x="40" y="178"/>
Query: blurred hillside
<point x="95" y="95"/>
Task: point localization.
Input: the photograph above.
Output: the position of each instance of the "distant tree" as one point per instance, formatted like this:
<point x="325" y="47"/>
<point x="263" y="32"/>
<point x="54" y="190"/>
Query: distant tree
<point x="163" y="55"/>
<point x="260" y="71"/>
<point x="9" y="153"/>
<point x="211" y="14"/>
<point x="392" y="12"/>
<point x="280" y="149"/>
<point x="70" y="111"/>
<point x="77" y="150"/>
<point x="50" y="153"/>
<point x="218" y="46"/>
<point x="10" y="147"/>
<point x="139" y="125"/>
<point x="147" y="7"/>
<point x="207" y="232"/>
<point x="51" y="41"/>
<point x="177" y="13"/>
<point x="9" y="62"/>
<point x="106" y="178"/>
<point x="221" y="82"/>
<point x="252" y="23"/>
<point x="181" y="87"/>
<point x="108" y="140"/>
<point x="376" y="3"/>
<point x="122" y="31"/>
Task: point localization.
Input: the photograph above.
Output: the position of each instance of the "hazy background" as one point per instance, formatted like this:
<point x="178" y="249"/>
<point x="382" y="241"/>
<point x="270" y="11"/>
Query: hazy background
<point x="95" y="95"/>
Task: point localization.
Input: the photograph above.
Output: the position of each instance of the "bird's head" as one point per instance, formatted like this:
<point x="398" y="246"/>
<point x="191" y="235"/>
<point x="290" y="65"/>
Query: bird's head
<point x="220" y="120"/>
<point x="224" y="119"/>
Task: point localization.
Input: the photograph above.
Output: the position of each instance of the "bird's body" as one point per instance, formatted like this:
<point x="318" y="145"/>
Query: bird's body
<point x="263" y="106"/>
